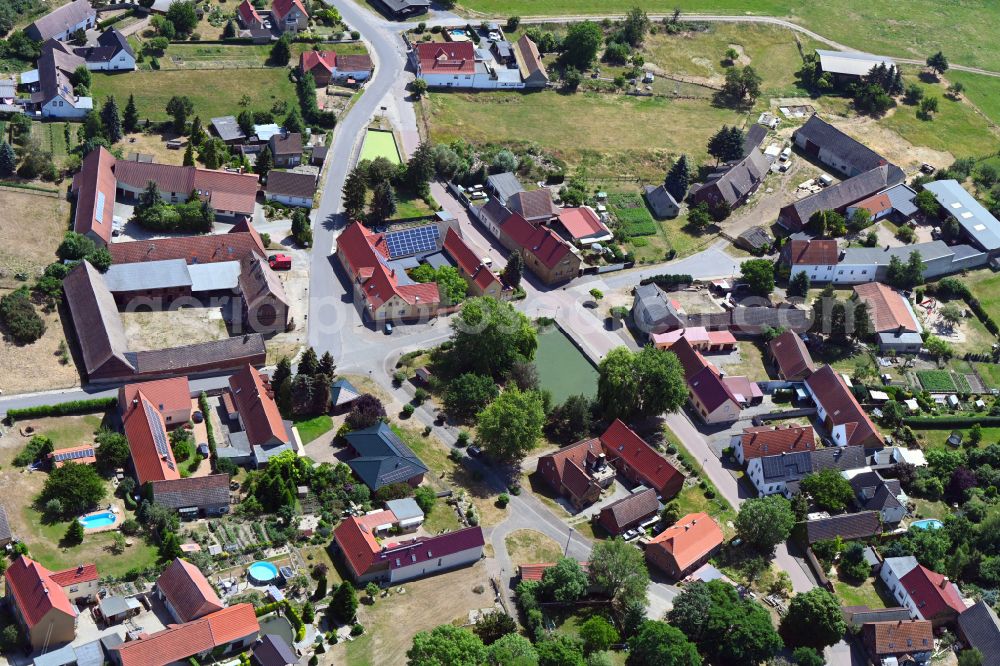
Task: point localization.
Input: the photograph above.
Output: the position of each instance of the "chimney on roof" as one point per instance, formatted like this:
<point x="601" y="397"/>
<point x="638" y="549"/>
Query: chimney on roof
<point x="45" y="589"/>
<point x="944" y="582"/>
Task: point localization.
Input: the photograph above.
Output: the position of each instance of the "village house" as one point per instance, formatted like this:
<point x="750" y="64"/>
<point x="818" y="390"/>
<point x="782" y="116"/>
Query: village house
<point x="249" y="16"/>
<point x="289" y="16"/>
<point x="193" y="496"/>
<point x="578" y="472"/>
<point x="52" y="92"/>
<point x="898" y="204"/>
<point x="698" y="337"/>
<point x="661" y="203"/>
<point x="760" y="441"/>
<point x="835" y="149"/>
<point x="872" y="492"/>
<point x="894" y="321"/>
<point x="529" y="63"/>
<point x="186" y="592"/>
<point x="844" y="526"/>
<point x="791" y="357"/>
<point x="838" y="409"/>
<point x="781" y="473"/>
<point x="265" y="307"/>
<point x="979" y="629"/>
<point x="151" y="456"/>
<point x="653" y="311"/>
<point x="628" y="512"/>
<point x="380" y="458"/>
<point x="328" y="67"/>
<point x="838" y="197"/>
<point x="226" y="631"/>
<point x="730" y="186"/>
<point x="481" y="279"/>
<point x="901" y="642"/>
<point x="395" y="562"/>
<point x="548" y="256"/>
<point x="273" y="650"/>
<point x="62" y="22"/>
<point x="535" y="206"/>
<point x="291" y="188"/>
<point x="113" y="53"/>
<point x="583" y="226"/>
<point x="714" y="397"/>
<point x="685" y="545"/>
<point x="927" y="594"/>
<point x="850" y="65"/>
<point x="462" y="65"/>
<point x="286" y="148"/>
<point x="816" y="258"/>
<point x="640" y="463"/>
<point x="264" y="434"/>
<point x="44" y="602"/>
<point x="399" y="9"/>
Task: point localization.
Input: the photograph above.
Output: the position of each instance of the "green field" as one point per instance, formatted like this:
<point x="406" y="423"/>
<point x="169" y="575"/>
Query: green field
<point x="214" y="56"/>
<point x="983" y="91"/>
<point x="213" y="92"/>
<point x="912" y="29"/>
<point x="936" y="380"/>
<point x="633" y="216"/>
<point x="563" y="370"/>
<point x="380" y="143"/>
<point x="985" y="286"/>
<point x="956" y="127"/>
<point x="611" y="135"/>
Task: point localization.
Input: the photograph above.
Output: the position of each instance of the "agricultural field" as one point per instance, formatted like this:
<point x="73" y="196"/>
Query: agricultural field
<point x="609" y="135"/>
<point x="213" y="92"/>
<point x="937" y="381"/>
<point x="632" y="214"/>
<point x="867" y="26"/>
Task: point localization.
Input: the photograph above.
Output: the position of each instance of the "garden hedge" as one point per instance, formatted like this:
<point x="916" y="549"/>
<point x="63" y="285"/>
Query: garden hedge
<point x="63" y="409"/>
<point x="932" y="423"/>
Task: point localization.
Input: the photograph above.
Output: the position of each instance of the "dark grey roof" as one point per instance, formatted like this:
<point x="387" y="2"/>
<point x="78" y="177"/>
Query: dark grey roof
<point x="291" y="183"/>
<point x="858" y="615"/>
<point x="495" y="211"/>
<point x="147" y="275"/>
<point x="847" y="526"/>
<point x="383" y="458"/>
<point x="881" y="256"/>
<point x="652" y="309"/>
<point x="660" y="201"/>
<point x="60" y="19"/>
<point x="838" y="457"/>
<point x="5" y="533"/>
<point x="201" y="492"/>
<point x="794" y="466"/>
<point x="738" y="180"/>
<point x="873" y="493"/>
<point x="847" y="150"/>
<point x="981" y="628"/>
<point x="755" y="134"/>
<point x="902" y="199"/>
<point x="505" y="185"/>
<point x="273" y="650"/>
<point x="110" y="44"/>
<point x="226" y="353"/>
<point x="227" y="128"/>
<point x="844" y="193"/>
<point x="398" y="6"/>
<point x="786" y="466"/>
<point x="755" y="237"/>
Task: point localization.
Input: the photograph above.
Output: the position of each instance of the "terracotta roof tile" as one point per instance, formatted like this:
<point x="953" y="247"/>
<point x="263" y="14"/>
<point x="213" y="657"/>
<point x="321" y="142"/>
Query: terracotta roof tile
<point x="148" y="443"/>
<point x="841" y="406"/>
<point x="621" y="442"/>
<point x="94" y="187"/>
<point x="178" y="642"/>
<point x="37" y="591"/>
<point x="792" y="356"/>
<point x="688" y="540"/>
<point x="168" y="395"/>
<point x="282" y="7"/>
<point x="886" y="307"/>
<point x="554" y="465"/>
<point x="258" y="410"/>
<point x="448" y="58"/>
<point x="192" y="249"/>
<point x="774" y="440"/>
<point x="467" y="260"/>
<point x="581" y="222"/>
<point x="310" y="60"/>
<point x="813" y="252"/>
<point x="898" y="638"/>
<point x="540" y="241"/>
<point x="188" y="591"/>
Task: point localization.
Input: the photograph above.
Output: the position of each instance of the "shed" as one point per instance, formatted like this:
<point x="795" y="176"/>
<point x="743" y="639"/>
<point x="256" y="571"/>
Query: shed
<point x="118" y="609"/>
<point x="407" y="511"/>
<point x="343" y="394"/>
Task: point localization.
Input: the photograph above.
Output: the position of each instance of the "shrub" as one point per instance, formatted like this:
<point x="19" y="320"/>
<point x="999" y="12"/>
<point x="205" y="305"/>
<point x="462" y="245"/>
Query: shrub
<point x="503" y="500"/>
<point x="357" y="630"/>
<point x="38" y="447"/>
<point x="20" y="318"/>
<point x="63" y="409"/>
<point x="408" y="410"/>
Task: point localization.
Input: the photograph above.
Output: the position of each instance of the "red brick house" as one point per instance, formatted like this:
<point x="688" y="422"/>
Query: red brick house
<point x="686" y="545"/>
<point x="639" y="462"/>
<point x="578" y="472"/>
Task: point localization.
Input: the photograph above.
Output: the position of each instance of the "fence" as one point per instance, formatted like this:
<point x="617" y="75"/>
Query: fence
<point x="28" y="190"/>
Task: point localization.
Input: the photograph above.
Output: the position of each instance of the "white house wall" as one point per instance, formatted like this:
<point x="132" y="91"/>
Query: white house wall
<point x="435" y="565"/>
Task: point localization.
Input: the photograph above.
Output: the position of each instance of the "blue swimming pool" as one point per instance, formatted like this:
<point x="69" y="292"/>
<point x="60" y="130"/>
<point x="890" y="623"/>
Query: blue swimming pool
<point x="262" y="573"/>
<point x="927" y="524"/>
<point x="98" y="520"/>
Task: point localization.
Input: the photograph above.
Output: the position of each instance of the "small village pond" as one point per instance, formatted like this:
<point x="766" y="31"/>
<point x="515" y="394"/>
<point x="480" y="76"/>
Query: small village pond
<point x="563" y="370"/>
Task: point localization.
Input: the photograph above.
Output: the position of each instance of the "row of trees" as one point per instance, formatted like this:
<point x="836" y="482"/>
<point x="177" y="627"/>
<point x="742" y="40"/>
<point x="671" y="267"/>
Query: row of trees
<point x="307" y="392"/>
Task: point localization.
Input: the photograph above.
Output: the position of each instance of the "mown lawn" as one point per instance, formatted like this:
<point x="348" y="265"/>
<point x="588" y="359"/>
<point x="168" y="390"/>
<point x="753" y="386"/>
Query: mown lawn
<point x="212" y="92"/>
<point x="937" y="439"/>
<point x="983" y="91"/>
<point x="531" y="547"/>
<point x="193" y="56"/>
<point x="985" y="286"/>
<point x="911" y="29"/>
<point x="611" y="134"/>
<point x="956" y="127"/>
<point x="858" y="594"/>
<point x="310" y="429"/>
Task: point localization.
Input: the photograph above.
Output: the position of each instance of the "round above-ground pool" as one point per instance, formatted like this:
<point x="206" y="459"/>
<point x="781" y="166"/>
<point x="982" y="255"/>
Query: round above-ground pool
<point x="927" y="524"/>
<point x="95" y="521"/>
<point x="262" y="573"/>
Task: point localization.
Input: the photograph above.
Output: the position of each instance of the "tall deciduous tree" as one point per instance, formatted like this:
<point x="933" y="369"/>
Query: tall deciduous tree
<point x="180" y="108"/>
<point x="635" y="26"/>
<point x="581" y="44"/>
<point x="511" y="425"/>
<point x="78" y="487"/>
<point x="446" y="645"/>
<point x="660" y="643"/>
<point x="620" y="571"/>
<point x="468" y="393"/>
<point x="938" y="62"/>
<point x="640" y="384"/>
<point x="829" y="489"/>
<point x="489" y="336"/>
<point x="764" y="522"/>
<point x="814" y="619"/>
<point x="565" y="582"/>
<point x="759" y="276"/>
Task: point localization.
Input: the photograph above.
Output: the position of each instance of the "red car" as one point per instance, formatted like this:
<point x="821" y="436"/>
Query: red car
<point x="279" y="262"/>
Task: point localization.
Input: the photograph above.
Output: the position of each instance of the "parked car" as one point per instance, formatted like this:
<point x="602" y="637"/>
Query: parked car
<point x="279" y="262"/>
<point x="927" y="168"/>
<point x="388" y="328"/>
<point x="629" y="535"/>
<point x="474" y="451"/>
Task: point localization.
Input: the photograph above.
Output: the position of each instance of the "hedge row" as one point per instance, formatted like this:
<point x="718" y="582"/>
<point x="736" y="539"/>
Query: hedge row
<point x="104" y="25"/>
<point x="932" y="423"/>
<point x="954" y="288"/>
<point x="667" y="280"/>
<point x="290" y="614"/>
<point x="63" y="409"/>
<point x="209" y="432"/>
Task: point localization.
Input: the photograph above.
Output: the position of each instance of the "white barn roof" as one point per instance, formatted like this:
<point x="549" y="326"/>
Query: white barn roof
<point x="853" y="63"/>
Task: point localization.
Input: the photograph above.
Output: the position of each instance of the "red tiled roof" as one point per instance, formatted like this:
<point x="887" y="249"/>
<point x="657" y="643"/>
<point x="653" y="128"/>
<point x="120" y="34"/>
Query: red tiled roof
<point x="774" y="440"/>
<point x="467" y="260"/>
<point x="540" y="241"/>
<point x="554" y="466"/>
<point x="932" y="592"/>
<point x="146" y="432"/>
<point x="581" y="222"/>
<point x="876" y="204"/>
<point x="358" y="62"/>
<point x="691" y="359"/>
<point x="178" y="642"/>
<point x="249" y="14"/>
<point x="167" y="395"/>
<point x="813" y="252"/>
<point x="535" y="571"/>
<point x="688" y="540"/>
<point x="256" y="406"/>
<point x="899" y="638"/>
<point x="84" y="573"/>
<point x="310" y="60"/>
<point x="841" y="406"/>
<point x="886" y="307"/>
<point x="742" y="388"/>
<point x="35" y="591"/>
<point x="188" y="591"/>
<point x="233" y="246"/>
<point x="620" y="441"/>
<point x="235" y="192"/>
<point x="356" y="542"/>
<point x="96" y="178"/>
<point x="280" y="8"/>
<point x="362" y="249"/>
<point x="84" y="460"/>
<point x="575" y="479"/>
<point x="450" y="58"/>
<point x="793" y="358"/>
<point x="712" y="390"/>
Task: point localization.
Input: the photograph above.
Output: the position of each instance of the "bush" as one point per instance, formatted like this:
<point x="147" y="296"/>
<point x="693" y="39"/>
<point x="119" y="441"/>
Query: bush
<point x="503" y="500"/>
<point x="20" y="318"/>
<point x="357" y="630"/>
<point x="667" y="281"/>
<point x="38" y="447"/>
<point x="63" y="409"/>
<point x="408" y="410"/>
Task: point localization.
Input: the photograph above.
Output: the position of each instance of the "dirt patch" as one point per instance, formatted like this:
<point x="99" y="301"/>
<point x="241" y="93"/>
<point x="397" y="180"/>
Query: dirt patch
<point x="392" y="621"/>
<point x="154" y="145"/>
<point x="158" y="330"/>
<point x="41" y="365"/>
<point x="742" y="58"/>
<point x="31" y="228"/>
<point x="696" y="301"/>
<point x="531" y="547"/>
<point x="889" y="144"/>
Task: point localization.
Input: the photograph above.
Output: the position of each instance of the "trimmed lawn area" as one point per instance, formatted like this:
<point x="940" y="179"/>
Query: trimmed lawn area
<point x="310" y="429"/>
<point x="985" y="286"/>
<point x="380" y="143"/>
<point x="213" y="92"/>
<point x="983" y="91"/>
<point x="214" y="56"/>
<point x="928" y="509"/>
<point x="750" y="365"/>
<point x="531" y="547"/>
<point x="913" y="33"/>
<point x="937" y="439"/>
<point x="865" y="593"/>
<point x="956" y="127"/>
<point x="990" y="372"/>
<point x="610" y="135"/>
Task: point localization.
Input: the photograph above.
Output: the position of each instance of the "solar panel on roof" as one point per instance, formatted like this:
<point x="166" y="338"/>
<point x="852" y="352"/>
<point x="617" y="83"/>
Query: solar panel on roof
<point x="159" y="435"/>
<point x="412" y="241"/>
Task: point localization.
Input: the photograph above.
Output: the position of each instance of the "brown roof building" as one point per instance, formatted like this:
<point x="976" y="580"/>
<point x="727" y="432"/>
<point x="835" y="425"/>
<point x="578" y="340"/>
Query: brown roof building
<point x="94" y="188"/>
<point x="757" y="442"/>
<point x="816" y="252"/>
<point x="908" y="641"/>
<point x="548" y="256"/>
<point x="291" y="188"/>
<point x="186" y="592"/>
<point x="286" y="149"/>
<point x="628" y="512"/>
<point x="529" y="62"/>
<point x="577" y="472"/>
<point x="791" y="356"/>
<point x="848" y="423"/>
<point x="265" y="304"/>
<point x="535" y="206"/>
<point x="241" y="241"/>
<point x="206" y="494"/>
<point x="686" y="545"/>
